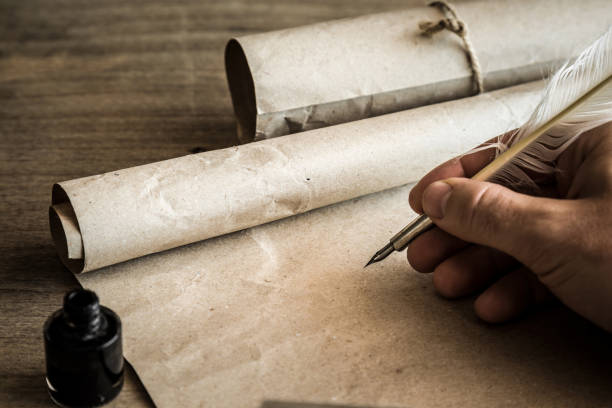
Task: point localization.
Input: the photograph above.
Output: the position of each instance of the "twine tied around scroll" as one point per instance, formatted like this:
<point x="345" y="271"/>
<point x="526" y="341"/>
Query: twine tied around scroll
<point x="452" y="23"/>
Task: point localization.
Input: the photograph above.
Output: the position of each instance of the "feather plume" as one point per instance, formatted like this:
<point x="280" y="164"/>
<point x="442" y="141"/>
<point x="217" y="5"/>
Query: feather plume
<point x="578" y="98"/>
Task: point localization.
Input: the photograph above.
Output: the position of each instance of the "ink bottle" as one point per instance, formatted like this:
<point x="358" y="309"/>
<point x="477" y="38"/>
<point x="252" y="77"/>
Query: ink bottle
<point x="83" y="352"/>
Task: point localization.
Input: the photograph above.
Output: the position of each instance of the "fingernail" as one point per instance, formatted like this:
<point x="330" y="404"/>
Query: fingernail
<point x="435" y="197"/>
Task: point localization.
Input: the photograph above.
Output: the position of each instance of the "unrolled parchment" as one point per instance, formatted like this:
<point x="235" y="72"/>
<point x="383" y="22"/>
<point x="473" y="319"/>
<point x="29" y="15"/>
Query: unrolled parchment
<point x="340" y="71"/>
<point x="125" y="214"/>
<point x="286" y="312"/>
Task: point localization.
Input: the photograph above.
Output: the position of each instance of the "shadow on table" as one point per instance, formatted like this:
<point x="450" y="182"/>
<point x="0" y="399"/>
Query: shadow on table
<point x="24" y="391"/>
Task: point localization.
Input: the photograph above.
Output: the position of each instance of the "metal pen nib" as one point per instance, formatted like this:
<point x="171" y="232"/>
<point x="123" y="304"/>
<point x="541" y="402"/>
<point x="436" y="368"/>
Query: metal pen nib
<point x="403" y="238"/>
<point x="381" y="254"/>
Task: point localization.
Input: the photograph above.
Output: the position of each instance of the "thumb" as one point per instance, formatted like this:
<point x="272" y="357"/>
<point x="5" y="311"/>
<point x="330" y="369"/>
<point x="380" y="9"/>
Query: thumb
<point x="492" y="215"/>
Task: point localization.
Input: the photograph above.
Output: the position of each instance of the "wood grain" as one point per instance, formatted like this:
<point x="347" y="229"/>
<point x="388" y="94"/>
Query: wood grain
<point x="92" y="86"/>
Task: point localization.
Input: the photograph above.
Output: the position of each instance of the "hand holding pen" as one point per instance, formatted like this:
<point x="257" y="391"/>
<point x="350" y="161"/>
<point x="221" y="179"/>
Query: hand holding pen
<point x="527" y="245"/>
<point x="513" y="249"/>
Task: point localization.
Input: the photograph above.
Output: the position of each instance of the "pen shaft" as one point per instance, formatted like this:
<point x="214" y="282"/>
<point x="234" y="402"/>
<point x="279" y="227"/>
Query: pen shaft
<point x="410" y="232"/>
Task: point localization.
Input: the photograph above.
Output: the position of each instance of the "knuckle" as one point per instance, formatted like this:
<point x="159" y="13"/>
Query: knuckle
<point x="490" y="212"/>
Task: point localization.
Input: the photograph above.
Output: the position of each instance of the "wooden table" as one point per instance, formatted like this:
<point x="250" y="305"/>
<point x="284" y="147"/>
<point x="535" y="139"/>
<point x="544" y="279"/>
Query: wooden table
<point x="92" y="86"/>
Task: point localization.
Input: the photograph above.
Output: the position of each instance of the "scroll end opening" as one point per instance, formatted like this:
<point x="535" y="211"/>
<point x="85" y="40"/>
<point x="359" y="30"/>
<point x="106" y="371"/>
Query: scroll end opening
<point x="242" y="90"/>
<point x="65" y="231"/>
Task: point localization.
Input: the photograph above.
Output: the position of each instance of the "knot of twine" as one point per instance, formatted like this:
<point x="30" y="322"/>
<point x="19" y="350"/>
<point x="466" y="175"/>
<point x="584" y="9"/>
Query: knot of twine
<point x="451" y="22"/>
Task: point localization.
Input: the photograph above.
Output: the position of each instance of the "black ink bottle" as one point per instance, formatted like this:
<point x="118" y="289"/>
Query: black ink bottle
<point x="83" y="352"/>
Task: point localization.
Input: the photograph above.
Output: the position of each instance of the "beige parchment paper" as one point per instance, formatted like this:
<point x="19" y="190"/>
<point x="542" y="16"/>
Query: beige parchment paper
<point x="340" y="71"/>
<point x="284" y="311"/>
<point x="106" y="219"/>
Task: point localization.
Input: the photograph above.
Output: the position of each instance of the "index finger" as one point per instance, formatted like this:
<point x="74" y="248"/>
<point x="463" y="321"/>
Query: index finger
<point x="462" y="166"/>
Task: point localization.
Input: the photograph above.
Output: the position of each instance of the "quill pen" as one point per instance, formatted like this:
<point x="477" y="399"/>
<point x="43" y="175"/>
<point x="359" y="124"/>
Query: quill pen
<point x="578" y="98"/>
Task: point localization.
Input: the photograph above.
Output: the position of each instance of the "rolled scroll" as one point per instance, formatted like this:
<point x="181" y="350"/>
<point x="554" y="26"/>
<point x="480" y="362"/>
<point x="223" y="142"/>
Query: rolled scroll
<point x="110" y="218"/>
<point x="328" y="73"/>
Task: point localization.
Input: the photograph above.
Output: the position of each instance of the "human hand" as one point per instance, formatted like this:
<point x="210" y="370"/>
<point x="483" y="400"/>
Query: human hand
<point x="514" y="249"/>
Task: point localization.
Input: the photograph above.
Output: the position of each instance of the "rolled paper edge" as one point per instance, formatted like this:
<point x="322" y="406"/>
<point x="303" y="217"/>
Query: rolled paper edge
<point x="74" y="241"/>
<point x="65" y="231"/>
<point x="242" y="89"/>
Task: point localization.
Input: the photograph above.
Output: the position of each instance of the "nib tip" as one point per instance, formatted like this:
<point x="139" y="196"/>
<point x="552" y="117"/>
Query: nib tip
<point x="381" y="254"/>
<point x="371" y="261"/>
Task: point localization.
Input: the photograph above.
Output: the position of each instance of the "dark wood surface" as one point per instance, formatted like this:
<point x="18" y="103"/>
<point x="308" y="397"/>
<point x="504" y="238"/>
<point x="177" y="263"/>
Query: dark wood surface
<point x="92" y="86"/>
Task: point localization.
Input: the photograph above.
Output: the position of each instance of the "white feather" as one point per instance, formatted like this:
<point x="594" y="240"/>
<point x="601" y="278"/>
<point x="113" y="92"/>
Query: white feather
<point x="570" y="83"/>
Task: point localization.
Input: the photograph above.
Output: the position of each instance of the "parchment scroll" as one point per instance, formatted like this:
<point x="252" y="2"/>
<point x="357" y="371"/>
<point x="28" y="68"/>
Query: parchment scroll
<point x="285" y="311"/>
<point x="126" y="214"/>
<point x="328" y="73"/>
